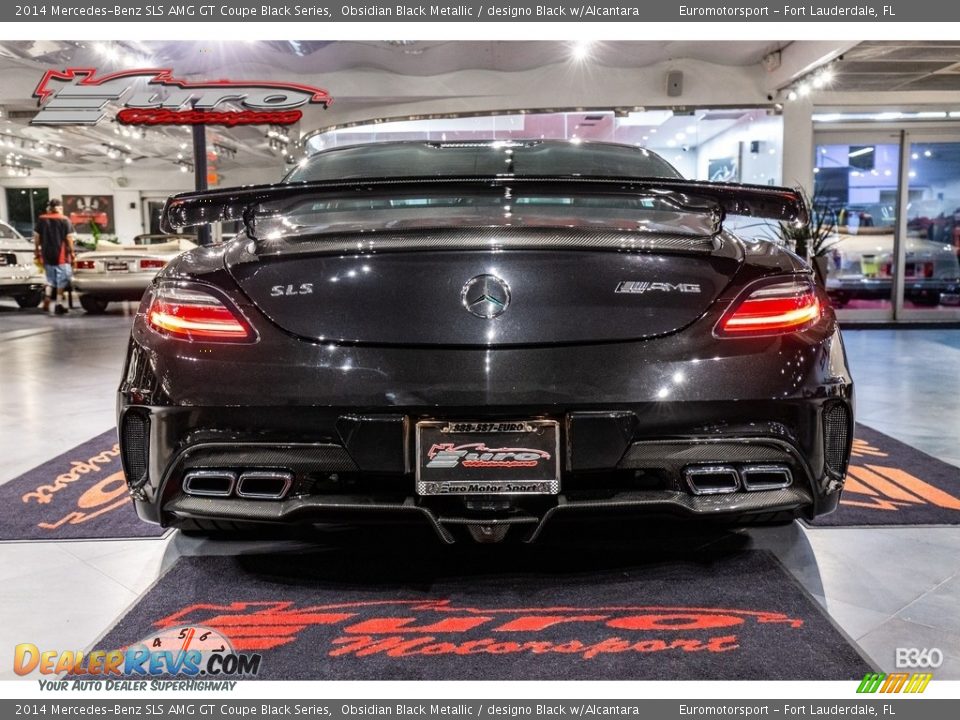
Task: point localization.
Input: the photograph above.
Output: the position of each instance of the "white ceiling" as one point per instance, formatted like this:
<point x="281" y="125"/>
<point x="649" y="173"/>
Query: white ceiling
<point x="387" y="78"/>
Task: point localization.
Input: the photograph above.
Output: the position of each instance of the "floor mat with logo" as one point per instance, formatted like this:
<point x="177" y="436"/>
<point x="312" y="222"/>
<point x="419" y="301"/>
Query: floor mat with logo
<point x="495" y="613"/>
<point x="891" y="483"/>
<point x="78" y="495"/>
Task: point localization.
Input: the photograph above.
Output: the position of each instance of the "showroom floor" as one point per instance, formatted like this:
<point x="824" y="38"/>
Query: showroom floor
<point x="885" y="587"/>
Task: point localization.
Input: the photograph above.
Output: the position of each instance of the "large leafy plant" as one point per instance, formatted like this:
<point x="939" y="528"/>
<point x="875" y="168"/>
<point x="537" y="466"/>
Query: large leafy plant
<point x="817" y="237"/>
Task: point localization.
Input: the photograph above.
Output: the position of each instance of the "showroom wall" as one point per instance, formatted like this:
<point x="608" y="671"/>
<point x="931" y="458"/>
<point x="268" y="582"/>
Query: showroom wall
<point x="757" y="141"/>
<point x="128" y="220"/>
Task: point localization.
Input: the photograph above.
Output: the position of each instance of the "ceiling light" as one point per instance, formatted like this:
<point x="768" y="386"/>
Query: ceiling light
<point x="792" y="95"/>
<point x="128" y="160"/>
<point x="581" y="50"/>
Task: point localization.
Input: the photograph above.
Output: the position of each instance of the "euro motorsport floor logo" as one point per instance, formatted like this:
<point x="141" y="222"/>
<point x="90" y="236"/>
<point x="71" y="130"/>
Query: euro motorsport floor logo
<point x="433" y="628"/>
<point x="894" y="683"/>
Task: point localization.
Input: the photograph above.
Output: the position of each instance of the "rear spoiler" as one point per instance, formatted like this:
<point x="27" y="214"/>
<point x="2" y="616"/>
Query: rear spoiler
<point x="240" y="203"/>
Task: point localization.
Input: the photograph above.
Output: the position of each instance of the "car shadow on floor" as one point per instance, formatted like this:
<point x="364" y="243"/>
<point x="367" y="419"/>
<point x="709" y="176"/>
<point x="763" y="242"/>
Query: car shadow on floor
<point x="404" y="557"/>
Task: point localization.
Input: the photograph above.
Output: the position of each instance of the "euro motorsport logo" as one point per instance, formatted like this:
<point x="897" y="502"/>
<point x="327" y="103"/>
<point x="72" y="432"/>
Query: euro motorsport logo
<point x="78" y="96"/>
<point x="187" y="650"/>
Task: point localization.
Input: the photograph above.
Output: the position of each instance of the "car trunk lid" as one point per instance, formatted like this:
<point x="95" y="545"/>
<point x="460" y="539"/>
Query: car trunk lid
<point x="484" y="286"/>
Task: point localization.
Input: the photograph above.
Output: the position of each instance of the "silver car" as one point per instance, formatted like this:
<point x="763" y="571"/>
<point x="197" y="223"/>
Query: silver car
<point x="115" y="272"/>
<point x="861" y="267"/>
<point x="20" y="277"/>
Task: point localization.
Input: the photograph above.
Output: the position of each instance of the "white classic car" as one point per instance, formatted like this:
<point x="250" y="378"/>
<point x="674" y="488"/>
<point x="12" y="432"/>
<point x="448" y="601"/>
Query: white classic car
<point x="115" y="272"/>
<point x="20" y="277"/>
<point x="861" y="267"/>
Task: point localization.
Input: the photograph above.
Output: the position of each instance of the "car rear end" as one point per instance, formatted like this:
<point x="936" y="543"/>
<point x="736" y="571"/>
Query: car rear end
<point x="20" y="277"/>
<point x="123" y="272"/>
<point x="541" y="350"/>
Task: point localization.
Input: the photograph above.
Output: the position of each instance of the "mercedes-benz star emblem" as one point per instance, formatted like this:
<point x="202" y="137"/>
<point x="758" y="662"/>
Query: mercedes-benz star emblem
<point x="486" y="296"/>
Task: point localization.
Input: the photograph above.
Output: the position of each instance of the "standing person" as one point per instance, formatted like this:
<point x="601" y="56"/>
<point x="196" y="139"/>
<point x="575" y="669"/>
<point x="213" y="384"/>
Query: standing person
<point x="53" y="245"/>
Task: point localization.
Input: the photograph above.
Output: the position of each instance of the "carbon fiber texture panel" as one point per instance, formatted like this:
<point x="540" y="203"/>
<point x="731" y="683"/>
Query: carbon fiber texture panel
<point x="306" y="508"/>
<point x="295" y="457"/>
<point x="790" y="498"/>
<point x="672" y="455"/>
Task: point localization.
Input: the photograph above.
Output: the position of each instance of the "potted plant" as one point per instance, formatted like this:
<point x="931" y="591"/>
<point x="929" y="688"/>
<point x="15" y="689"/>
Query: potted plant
<point x="814" y="240"/>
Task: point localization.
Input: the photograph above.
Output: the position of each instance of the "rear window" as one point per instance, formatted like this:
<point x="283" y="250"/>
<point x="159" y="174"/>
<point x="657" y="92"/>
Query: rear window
<point x="7" y="232"/>
<point x="419" y="159"/>
<point x="402" y="209"/>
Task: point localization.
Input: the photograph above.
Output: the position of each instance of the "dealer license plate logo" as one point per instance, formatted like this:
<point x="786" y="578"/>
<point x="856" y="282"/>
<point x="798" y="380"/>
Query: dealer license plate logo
<point x="499" y="458"/>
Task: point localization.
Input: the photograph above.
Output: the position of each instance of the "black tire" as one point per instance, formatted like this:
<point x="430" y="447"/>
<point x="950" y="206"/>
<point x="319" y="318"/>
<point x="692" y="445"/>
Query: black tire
<point x="29" y="299"/>
<point x="839" y="300"/>
<point x="925" y="300"/>
<point x="93" y="305"/>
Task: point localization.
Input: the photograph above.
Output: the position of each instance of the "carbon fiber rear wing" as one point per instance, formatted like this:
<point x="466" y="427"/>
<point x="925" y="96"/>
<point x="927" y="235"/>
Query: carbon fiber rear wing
<point x="241" y="203"/>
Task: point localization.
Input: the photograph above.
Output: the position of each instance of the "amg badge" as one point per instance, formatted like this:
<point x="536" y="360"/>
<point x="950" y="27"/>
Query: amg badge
<point x="638" y="288"/>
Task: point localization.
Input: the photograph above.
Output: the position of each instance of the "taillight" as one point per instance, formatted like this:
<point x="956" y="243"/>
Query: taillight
<point x="783" y="307"/>
<point x="192" y="314"/>
<point x="151" y="264"/>
<point x="85" y="265"/>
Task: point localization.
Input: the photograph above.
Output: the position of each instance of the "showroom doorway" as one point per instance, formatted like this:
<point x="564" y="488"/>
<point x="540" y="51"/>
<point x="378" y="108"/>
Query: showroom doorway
<point x="24" y="205"/>
<point x="892" y="200"/>
<point x="152" y="207"/>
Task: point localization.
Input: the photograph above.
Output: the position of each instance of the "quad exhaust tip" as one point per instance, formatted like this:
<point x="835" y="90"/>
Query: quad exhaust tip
<point x="264" y="484"/>
<point x="721" y="479"/>
<point x="251" y="484"/>
<point x="712" y="479"/>
<point x="765" y="477"/>
<point x="209" y="483"/>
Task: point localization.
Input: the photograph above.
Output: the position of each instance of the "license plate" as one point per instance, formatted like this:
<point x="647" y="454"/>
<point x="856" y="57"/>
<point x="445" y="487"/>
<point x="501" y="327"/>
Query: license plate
<point x="116" y="267"/>
<point x="488" y="458"/>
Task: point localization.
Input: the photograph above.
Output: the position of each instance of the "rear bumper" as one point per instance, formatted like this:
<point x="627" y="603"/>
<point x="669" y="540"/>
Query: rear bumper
<point x="123" y="286"/>
<point x="20" y="287"/>
<point x="358" y="468"/>
<point x="341" y="419"/>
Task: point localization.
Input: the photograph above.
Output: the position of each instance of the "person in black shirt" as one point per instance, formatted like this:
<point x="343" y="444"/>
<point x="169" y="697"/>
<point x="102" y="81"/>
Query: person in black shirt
<point x="53" y="246"/>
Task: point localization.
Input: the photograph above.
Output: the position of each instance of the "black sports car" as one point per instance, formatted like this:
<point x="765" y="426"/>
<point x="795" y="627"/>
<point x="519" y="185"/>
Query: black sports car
<point x="484" y="337"/>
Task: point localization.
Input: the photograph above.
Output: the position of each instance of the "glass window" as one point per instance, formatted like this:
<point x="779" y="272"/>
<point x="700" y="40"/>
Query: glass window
<point x="724" y="144"/>
<point x="24" y="205"/>
<point x="484" y="160"/>
<point x="855" y="197"/>
<point x="932" y="270"/>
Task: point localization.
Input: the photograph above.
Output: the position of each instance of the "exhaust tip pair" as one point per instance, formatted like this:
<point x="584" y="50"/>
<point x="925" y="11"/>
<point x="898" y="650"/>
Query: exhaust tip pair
<point x="250" y="484"/>
<point x="722" y="479"/>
